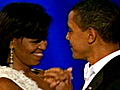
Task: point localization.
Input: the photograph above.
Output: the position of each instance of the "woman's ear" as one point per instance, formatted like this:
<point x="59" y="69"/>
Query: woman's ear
<point x="12" y="43"/>
<point x="92" y="35"/>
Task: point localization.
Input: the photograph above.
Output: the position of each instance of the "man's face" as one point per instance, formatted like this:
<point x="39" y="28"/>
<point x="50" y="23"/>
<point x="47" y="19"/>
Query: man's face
<point x="77" y="38"/>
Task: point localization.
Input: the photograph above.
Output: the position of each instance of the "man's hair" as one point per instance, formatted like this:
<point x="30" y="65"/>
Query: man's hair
<point x="102" y="15"/>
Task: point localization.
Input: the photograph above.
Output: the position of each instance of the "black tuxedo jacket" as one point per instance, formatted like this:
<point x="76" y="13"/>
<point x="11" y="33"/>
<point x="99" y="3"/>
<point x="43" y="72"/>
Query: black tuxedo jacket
<point x="108" y="78"/>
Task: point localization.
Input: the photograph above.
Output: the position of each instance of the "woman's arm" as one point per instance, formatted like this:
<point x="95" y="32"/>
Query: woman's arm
<point x="7" y="84"/>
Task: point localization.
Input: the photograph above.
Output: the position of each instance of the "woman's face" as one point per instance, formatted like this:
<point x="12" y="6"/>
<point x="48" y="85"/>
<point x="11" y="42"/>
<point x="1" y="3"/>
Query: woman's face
<point x="27" y="51"/>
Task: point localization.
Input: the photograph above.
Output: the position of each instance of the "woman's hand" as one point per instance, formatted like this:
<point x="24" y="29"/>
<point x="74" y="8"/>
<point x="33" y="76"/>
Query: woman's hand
<point x="59" y="79"/>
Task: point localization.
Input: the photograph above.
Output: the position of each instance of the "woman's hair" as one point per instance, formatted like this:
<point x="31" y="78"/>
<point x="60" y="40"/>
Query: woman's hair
<point x="19" y="20"/>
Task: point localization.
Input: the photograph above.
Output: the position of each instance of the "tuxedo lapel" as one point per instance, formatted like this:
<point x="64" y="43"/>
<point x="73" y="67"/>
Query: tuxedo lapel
<point x="96" y="81"/>
<point x="110" y="72"/>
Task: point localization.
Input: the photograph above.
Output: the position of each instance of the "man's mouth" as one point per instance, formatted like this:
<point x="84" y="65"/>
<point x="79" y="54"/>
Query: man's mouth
<point x="70" y="46"/>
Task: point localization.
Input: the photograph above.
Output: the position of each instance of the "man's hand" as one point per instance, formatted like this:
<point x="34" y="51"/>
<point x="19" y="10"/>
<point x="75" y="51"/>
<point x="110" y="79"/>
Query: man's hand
<point x="59" y="79"/>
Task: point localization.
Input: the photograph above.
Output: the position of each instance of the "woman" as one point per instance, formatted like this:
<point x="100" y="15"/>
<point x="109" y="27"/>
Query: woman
<point x="23" y="32"/>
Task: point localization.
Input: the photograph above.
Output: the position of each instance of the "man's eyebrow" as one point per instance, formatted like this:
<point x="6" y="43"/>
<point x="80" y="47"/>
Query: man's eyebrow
<point x="68" y="26"/>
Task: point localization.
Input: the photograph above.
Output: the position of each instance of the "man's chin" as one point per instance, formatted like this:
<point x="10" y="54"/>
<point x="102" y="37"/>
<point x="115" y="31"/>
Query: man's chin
<point x="77" y="57"/>
<point x="74" y="56"/>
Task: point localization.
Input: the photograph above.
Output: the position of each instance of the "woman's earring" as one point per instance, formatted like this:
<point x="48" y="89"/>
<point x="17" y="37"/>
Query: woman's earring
<point x="11" y="57"/>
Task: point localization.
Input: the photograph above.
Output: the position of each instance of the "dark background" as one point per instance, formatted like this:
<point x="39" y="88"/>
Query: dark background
<point x="58" y="53"/>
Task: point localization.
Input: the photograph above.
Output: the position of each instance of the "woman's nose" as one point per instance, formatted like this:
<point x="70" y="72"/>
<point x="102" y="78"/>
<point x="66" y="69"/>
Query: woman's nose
<point x="42" y="45"/>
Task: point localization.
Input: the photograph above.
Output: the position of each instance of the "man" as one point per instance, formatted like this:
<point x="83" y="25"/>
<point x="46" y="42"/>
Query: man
<point x="94" y="33"/>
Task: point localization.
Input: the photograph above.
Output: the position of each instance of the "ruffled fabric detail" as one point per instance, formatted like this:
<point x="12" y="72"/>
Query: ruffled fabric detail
<point x="19" y="78"/>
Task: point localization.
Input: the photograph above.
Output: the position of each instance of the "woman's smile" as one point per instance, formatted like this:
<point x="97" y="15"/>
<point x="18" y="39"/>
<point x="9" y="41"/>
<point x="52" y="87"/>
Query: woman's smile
<point x="38" y="54"/>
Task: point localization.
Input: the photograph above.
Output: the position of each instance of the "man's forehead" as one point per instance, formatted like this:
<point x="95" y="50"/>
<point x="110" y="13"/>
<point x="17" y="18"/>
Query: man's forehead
<point x="71" y="15"/>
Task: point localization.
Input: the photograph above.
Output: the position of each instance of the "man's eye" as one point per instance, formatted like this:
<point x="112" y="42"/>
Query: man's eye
<point x="70" y="30"/>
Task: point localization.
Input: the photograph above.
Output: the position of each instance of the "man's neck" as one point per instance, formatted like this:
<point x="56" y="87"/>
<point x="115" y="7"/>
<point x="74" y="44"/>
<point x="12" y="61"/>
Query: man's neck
<point x="101" y="51"/>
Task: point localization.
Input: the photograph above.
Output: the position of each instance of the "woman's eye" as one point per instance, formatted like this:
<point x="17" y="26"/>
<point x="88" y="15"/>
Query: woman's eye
<point x="36" y="41"/>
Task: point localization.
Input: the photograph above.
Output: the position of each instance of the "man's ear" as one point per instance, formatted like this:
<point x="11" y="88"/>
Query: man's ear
<point x="92" y="35"/>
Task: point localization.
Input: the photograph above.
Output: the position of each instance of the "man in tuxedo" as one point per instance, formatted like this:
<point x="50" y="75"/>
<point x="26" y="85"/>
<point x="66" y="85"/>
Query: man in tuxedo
<point x="94" y="33"/>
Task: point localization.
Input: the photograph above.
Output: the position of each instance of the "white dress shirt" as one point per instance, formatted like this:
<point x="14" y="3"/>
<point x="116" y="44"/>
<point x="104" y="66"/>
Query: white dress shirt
<point x="90" y="72"/>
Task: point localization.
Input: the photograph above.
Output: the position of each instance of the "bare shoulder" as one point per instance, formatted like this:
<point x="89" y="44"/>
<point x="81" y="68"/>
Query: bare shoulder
<point x="7" y="84"/>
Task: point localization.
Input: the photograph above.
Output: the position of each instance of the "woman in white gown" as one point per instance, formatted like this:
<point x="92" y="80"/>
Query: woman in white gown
<point x="23" y="32"/>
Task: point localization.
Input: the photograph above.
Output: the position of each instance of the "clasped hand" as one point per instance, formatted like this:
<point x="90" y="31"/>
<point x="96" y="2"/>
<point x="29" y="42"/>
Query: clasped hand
<point x="59" y="79"/>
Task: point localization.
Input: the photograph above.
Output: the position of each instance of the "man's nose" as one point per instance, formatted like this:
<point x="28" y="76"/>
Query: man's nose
<point x="67" y="36"/>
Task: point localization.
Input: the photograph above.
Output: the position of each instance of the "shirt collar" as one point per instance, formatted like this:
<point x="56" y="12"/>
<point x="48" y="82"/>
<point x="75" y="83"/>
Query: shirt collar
<point x="101" y="63"/>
